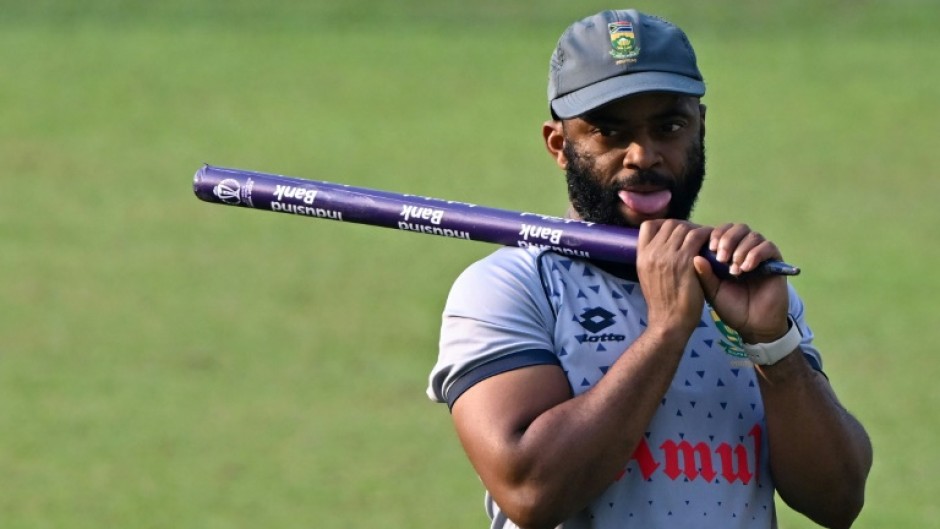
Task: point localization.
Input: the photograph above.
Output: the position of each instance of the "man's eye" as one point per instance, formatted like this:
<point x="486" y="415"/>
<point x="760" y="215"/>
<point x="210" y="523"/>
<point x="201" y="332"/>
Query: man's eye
<point x="609" y="133"/>
<point x="672" y="127"/>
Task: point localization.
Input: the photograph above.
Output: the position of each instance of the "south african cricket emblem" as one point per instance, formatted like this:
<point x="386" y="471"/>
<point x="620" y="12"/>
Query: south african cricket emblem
<point x="623" y="40"/>
<point x="731" y="342"/>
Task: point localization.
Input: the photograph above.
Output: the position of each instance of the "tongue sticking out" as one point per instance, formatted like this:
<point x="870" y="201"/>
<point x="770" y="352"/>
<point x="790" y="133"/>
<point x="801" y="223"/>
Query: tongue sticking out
<point x="646" y="203"/>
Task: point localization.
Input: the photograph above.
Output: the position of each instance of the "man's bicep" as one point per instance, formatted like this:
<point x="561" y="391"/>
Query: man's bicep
<point x="491" y="416"/>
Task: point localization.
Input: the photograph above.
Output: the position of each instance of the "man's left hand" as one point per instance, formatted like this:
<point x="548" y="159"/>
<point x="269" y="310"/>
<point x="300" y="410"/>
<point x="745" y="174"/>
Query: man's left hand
<point x="755" y="305"/>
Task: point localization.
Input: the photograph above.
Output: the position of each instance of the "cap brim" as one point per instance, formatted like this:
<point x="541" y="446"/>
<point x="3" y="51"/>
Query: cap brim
<point x="598" y="94"/>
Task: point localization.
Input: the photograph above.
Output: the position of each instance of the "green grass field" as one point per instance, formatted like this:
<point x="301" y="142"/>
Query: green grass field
<point x="167" y="363"/>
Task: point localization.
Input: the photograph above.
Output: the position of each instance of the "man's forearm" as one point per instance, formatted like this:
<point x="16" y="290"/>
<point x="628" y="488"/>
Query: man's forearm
<point x="819" y="454"/>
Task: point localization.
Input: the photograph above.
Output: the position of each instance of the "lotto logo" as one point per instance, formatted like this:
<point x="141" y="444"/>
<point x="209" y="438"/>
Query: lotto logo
<point x="596" y="319"/>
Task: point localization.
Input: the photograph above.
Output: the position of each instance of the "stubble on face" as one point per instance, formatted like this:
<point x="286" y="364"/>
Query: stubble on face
<point x="597" y="202"/>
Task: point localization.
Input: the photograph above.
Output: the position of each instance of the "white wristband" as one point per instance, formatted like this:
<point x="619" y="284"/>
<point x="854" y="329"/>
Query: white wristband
<point x="766" y="354"/>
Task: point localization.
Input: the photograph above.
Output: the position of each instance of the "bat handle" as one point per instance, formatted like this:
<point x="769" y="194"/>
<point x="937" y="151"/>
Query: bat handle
<point x="768" y="267"/>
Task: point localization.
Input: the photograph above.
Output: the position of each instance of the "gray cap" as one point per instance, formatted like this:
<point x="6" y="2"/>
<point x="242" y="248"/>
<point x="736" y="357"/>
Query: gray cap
<point x="614" y="54"/>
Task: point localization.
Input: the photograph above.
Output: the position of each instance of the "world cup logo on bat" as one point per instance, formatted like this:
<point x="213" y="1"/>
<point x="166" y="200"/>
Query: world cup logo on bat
<point x="228" y="191"/>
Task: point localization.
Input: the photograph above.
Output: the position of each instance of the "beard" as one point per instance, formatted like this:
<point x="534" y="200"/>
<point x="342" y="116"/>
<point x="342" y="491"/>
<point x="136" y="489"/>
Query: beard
<point x="596" y="202"/>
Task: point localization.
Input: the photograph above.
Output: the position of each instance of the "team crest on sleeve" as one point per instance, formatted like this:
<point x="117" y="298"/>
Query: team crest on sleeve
<point x="623" y="41"/>
<point x="731" y="341"/>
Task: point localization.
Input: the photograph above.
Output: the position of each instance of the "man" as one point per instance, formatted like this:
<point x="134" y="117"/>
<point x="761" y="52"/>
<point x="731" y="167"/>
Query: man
<point x="587" y="394"/>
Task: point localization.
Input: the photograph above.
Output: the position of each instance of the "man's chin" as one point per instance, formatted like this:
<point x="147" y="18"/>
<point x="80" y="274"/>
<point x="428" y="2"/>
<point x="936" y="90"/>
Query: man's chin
<point x="623" y="216"/>
<point x="633" y="219"/>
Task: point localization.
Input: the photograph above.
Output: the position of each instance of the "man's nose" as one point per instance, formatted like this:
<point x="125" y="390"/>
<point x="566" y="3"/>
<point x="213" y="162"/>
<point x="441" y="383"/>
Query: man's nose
<point x="642" y="154"/>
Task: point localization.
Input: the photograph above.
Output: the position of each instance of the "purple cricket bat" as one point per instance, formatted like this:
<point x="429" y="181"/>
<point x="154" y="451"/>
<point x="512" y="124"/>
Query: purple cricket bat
<point x="430" y="216"/>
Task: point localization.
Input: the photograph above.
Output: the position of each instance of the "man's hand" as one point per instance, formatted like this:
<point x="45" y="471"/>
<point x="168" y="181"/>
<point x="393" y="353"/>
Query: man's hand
<point x="755" y="306"/>
<point x="673" y="292"/>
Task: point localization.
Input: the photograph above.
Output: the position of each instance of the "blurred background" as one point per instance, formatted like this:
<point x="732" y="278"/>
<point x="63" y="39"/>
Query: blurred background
<point x="169" y="363"/>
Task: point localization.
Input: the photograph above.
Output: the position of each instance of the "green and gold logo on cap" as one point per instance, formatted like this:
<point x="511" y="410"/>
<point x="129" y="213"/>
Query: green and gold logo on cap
<point x="623" y="40"/>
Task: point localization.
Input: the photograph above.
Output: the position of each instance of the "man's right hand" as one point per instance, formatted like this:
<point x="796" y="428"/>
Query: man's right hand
<point x="665" y="253"/>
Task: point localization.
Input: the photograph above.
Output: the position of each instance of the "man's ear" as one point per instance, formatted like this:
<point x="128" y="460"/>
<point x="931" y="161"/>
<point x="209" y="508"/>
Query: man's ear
<point x="554" y="136"/>
<point x="701" y="109"/>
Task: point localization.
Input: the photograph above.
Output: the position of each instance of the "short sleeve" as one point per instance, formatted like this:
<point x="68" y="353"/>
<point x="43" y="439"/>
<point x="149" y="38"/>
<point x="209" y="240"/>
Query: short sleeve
<point x="797" y="312"/>
<point x="496" y="318"/>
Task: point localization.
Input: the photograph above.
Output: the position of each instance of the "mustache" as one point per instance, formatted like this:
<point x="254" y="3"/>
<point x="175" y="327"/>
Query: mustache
<point x="647" y="178"/>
